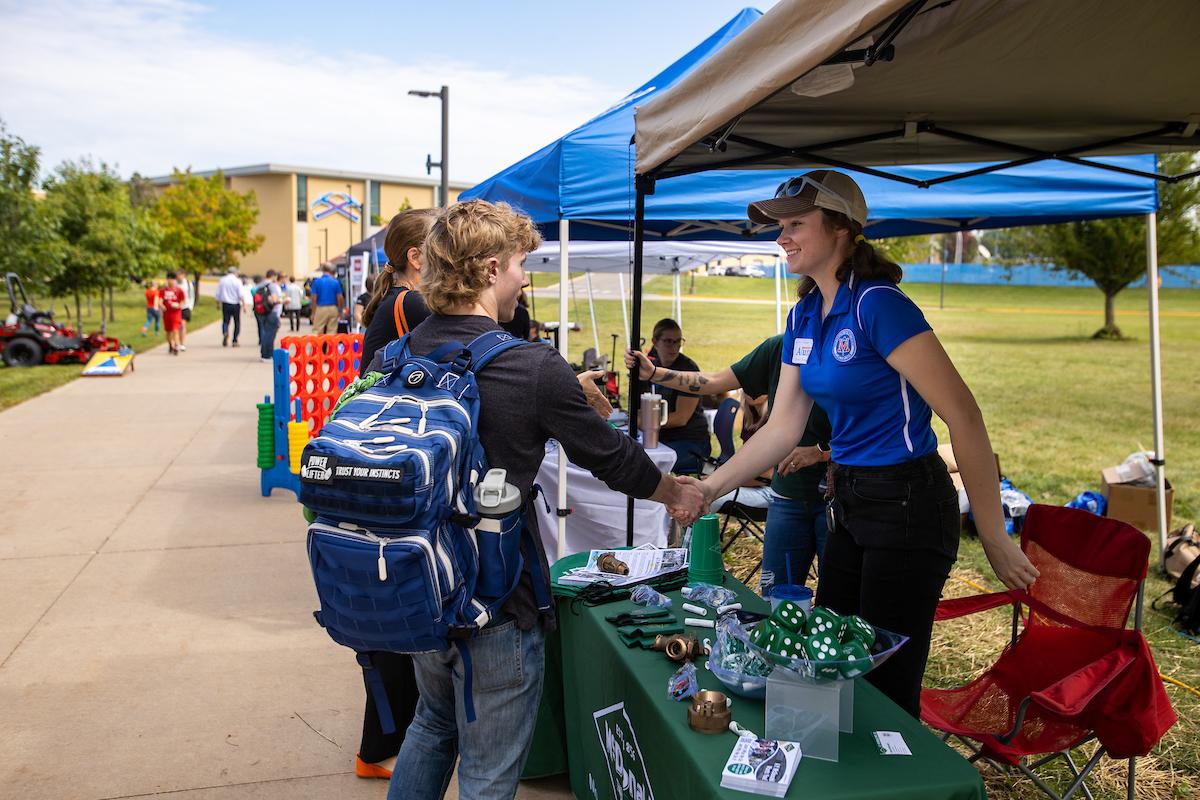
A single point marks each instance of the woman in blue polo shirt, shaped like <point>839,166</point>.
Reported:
<point>863,351</point>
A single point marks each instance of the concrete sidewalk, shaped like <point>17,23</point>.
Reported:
<point>157,634</point>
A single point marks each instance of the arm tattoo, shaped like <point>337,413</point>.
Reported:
<point>687,381</point>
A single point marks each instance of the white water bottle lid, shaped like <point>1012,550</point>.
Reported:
<point>494,496</point>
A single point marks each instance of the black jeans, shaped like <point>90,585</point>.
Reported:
<point>400,684</point>
<point>887,558</point>
<point>231,311</point>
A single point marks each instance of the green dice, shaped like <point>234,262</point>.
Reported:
<point>790,616</point>
<point>858,629</point>
<point>764,634</point>
<point>788,644</point>
<point>856,660</point>
<point>823,650</point>
<point>823,621</point>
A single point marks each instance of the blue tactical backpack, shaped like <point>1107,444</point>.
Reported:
<point>401,559</point>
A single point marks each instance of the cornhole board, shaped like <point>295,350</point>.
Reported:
<point>108,364</point>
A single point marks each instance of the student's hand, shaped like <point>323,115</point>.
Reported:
<point>591,392</point>
<point>1008,562</point>
<point>645,368</point>
<point>692,501</point>
<point>799,458</point>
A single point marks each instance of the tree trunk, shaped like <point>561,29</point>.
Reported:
<point>89,305</point>
<point>1110,329</point>
<point>78,316</point>
<point>112,314</point>
<point>103,315</point>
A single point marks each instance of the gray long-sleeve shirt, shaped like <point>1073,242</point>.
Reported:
<point>527,395</point>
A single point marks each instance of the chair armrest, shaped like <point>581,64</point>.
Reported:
<point>962,606</point>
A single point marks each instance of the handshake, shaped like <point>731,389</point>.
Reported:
<point>688,500</point>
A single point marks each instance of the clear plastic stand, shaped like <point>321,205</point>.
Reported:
<point>809,712</point>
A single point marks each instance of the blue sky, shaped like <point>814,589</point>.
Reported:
<point>152,84</point>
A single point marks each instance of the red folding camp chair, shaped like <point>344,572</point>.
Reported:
<point>1072,672</point>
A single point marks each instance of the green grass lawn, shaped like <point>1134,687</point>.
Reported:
<point>1059,407</point>
<point>17,385</point>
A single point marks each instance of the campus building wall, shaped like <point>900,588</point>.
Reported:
<point>276,197</point>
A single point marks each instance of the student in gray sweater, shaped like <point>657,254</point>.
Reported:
<point>473,273</point>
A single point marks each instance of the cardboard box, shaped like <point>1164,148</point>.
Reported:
<point>947,454</point>
<point>1136,505</point>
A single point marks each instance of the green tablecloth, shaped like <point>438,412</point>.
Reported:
<point>627,739</point>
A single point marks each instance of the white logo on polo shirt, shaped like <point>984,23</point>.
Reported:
<point>801,349</point>
<point>844,346</point>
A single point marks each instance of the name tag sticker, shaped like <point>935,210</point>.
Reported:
<point>800,351</point>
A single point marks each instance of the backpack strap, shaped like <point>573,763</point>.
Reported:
<point>488,345</point>
<point>394,352</point>
<point>398,313</point>
<point>387,723</point>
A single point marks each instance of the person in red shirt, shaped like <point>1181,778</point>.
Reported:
<point>153,308</point>
<point>173,299</point>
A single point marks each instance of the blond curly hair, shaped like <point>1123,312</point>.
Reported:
<point>458,247</point>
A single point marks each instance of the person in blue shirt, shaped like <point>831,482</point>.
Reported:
<point>860,348</point>
<point>328,301</point>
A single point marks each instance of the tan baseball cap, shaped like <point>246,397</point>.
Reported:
<point>820,188</point>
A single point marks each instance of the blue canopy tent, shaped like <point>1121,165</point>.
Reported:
<point>581,186</point>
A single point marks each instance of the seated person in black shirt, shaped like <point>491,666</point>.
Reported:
<point>686,431</point>
<point>396,305</point>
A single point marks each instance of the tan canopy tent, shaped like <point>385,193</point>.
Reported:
<point>860,84</point>
<point>877,82</point>
<point>863,84</point>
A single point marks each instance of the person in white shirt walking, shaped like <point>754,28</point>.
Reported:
<point>293,302</point>
<point>229,298</point>
<point>189,302</point>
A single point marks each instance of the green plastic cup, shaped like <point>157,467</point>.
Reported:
<point>705,564</point>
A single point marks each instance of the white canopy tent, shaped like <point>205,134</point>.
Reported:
<point>882,82</point>
<point>661,258</point>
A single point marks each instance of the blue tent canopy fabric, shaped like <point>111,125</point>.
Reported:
<point>587,177</point>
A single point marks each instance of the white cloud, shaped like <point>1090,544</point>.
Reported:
<point>139,84</point>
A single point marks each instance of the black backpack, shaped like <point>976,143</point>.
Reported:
<point>1187,597</point>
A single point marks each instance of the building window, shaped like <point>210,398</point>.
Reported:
<point>376,211</point>
<point>302,198</point>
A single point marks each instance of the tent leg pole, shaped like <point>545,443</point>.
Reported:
<point>639,236</point>
<point>624,311</point>
<point>1160,477</point>
<point>592,312</point>
<point>564,237</point>
<point>679,304</point>
<point>778,298</point>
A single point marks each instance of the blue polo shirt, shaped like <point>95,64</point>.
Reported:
<point>326,290</point>
<point>877,418</point>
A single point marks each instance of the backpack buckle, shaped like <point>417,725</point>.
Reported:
<point>461,363</point>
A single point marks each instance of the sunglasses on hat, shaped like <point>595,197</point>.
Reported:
<point>793,187</point>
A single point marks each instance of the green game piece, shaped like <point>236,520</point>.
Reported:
<point>860,630</point>
<point>790,616</point>
<point>856,659</point>
<point>823,649</point>
<point>763,634</point>
<point>822,621</point>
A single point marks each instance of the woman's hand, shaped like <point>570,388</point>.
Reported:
<point>645,368</point>
<point>695,498</point>
<point>1011,565</point>
<point>591,392</point>
<point>799,458</point>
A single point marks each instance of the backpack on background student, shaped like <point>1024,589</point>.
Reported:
<point>262,300</point>
<point>415,545</point>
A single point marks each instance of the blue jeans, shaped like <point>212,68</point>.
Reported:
<point>268,326</point>
<point>689,455</point>
<point>796,528</point>
<point>153,315</point>
<point>231,312</point>
<point>508,666</point>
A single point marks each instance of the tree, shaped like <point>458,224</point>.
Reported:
<point>206,227</point>
<point>1112,252</point>
<point>102,238</point>
<point>26,238</point>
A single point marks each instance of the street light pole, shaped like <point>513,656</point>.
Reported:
<point>444,164</point>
